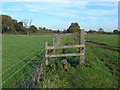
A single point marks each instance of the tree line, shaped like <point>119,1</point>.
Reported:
<point>12,26</point>
<point>74,27</point>
<point>101,31</point>
<point>25,26</point>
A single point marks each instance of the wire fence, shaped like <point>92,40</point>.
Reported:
<point>22,59</point>
<point>28,76</point>
<point>20,69</point>
<point>19,61</point>
<point>23,76</point>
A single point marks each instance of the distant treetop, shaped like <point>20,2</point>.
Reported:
<point>74,27</point>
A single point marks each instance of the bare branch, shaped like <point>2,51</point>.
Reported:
<point>27,23</point>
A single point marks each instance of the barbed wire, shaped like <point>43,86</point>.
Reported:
<point>20,61</point>
<point>28,84</point>
<point>27,80</point>
<point>27,72</point>
<point>20,68</point>
<point>20,77</point>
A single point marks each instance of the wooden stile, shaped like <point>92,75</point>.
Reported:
<point>55,46</point>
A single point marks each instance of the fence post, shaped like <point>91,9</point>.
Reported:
<point>57,41</point>
<point>46,51</point>
<point>82,42</point>
<point>54,45</point>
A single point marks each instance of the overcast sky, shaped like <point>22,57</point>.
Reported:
<point>59,14</point>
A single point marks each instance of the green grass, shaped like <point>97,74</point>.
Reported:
<point>100,69</point>
<point>17,47</point>
<point>111,40</point>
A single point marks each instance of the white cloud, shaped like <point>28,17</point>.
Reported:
<point>11,9</point>
<point>101,12</point>
<point>34,8</point>
<point>112,4</point>
<point>61,10</point>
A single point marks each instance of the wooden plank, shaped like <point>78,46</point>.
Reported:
<point>82,50</point>
<point>62,47</point>
<point>64,55</point>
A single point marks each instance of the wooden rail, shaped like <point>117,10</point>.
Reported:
<point>55,46</point>
<point>64,55</point>
<point>63,47</point>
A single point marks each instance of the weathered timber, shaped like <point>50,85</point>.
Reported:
<point>54,45</point>
<point>64,55</point>
<point>46,51</point>
<point>63,47</point>
<point>82,42</point>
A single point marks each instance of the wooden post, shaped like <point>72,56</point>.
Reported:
<point>57,41</point>
<point>54,45</point>
<point>82,42</point>
<point>46,51</point>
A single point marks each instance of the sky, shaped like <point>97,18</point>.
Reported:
<point>59,14</point>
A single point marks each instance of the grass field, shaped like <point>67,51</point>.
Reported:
<point>109,40</point>
<point>100,69</point>
<point>17,47</point>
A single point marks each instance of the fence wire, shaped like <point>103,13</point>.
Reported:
<point>20,61</point>
<point>29,72</point>
<point>20,68</point>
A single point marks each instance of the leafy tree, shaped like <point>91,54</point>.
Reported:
<point>110,33</point>
<point>74,27</point>
<point>92,31</point>
<point>58,31</point>
<point>100,31</point>
<point>21,23</point>
<point>33,29</point>
<point>44,28</point>
<point>19,28</point>
<point>115,31</point>
<point>7,24</point>
<point>64,31</point>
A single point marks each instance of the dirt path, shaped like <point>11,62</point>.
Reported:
<point>104,46</point>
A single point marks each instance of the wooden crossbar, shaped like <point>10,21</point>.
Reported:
<point>55,46</point>
<point>64,55</point>
<point>62,47</point>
